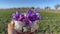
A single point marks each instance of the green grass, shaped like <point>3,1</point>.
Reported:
<point>51,19</point>
<point>50,22</point>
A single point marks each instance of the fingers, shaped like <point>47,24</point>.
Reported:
<point>10,28</point>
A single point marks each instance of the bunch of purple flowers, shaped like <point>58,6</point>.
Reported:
<point>28,17</point>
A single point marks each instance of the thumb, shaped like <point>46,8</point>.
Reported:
<point>10,28</point>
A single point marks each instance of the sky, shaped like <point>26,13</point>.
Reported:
<point>28,3</point>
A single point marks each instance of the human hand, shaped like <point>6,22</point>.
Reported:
<point>10,29</point>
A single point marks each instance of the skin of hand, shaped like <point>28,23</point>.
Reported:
<point>10,29</point>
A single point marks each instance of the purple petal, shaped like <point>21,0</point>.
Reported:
<point>30,11</point>
<point>13,15</point>
<point>16,16</point>
<point>21,17</point>
<point>18,13</point>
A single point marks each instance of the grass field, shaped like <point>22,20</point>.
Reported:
<point>50,22</point>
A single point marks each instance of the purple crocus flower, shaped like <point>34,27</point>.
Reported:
<point>27,18</point>
<point>17,13</point>
<point>30,11</point>
<point>16,16</point>
<point>38,16</point>
<point>33,16</point>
